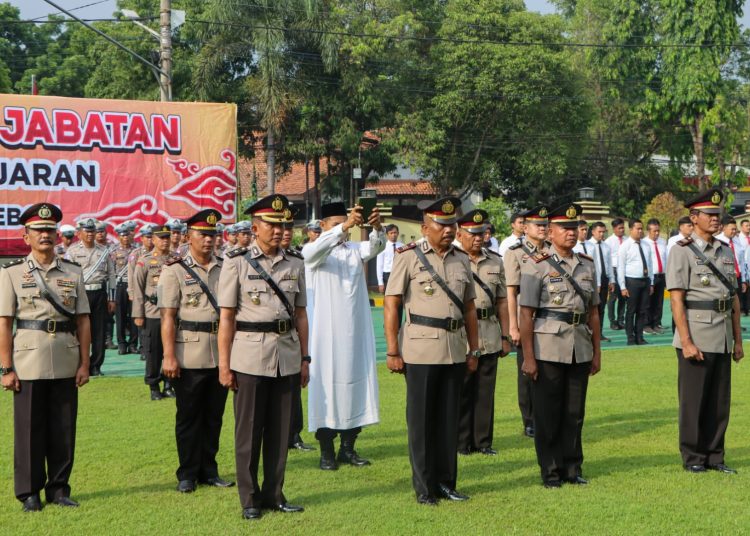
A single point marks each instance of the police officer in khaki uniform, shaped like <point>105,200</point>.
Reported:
<point>530,245</point>
<point>476,420</point>
<point>189,327</point>
<point>262,347</point>
<point>703,292</point>
<point>146,312</point>
<point>147,245</point>
<point>45,361</point>
<point>67,234</point>
<point>561,347</point>
<point>434,281</point>
<point>125,326</point>
<point>99,278</point>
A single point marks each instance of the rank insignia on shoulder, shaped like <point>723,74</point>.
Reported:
<point>294,253</point>
<point>584,256</point>
<point>515,246</point>
<point>236,252</point>
<point>13,263</point>
<point>69,262</point>
<point>173,260</point>
<point>540,257</point>
<point>488,251</point>
<point>685,241</point>
<point>407,247</point>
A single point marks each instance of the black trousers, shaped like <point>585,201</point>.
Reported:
<point>386,277</point>
<point>637,309</point>
<point>745,300</point>
<point>154,351</point>
<point>296,420</point>
<point>603,295</point>
<point>705,391</point>
<point>477,409</point>
<point>525,400</point>
<point>44,423</point>
<point>559,407</point>
<point>200,409</point>
<point>433,394</point>
<point>262,409</point>
<point>656,301</point>
<point>98,316</point>
<point>616,313</point>
<point>329,434</point>
<point>127,332</point>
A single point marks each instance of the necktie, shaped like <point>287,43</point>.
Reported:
<point>643,259</point>
<point>584,248</point>
<point>602,268</point>
<point>734,258</point>
<point>658,258</point>
<point>394,248</point>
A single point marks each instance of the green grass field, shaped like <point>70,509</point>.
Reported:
<point>126,457</point>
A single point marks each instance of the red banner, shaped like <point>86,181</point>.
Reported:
<point>114,160</point>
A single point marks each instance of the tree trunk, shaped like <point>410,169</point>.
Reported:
<point>271,162</point>
<point>316,175</point>
<point>700,164</point>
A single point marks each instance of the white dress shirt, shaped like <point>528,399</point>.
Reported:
<point>510,241</point>
<point>594,246</point>
<point>673,240</point>
<point>614,244</point>
<point>582,247</point>
<point>494,245</point>
<point>385,259</point>
<point>630,263</point>
<point>662,247</point>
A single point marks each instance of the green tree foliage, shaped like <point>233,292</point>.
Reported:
<point>667,209</point>
<point>499,212</point>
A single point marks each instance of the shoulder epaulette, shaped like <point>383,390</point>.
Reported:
<point>219,259</point>
<point>173,260</point>
<point>490,252</point>
<point>459,250</point>
<point>685,241</point>
<point>68,261</point>
<point>236,252</point>
<point>294,253</point>
<point>407,247</point>
<point>539,258</point>
<point>12,263</point>
<point>516,245</point>
<point>584,256</point>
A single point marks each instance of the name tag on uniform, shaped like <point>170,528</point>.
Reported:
<point>422,269</point>
<point>290,277</point>
<point>727,261</point>
<point>254,276</point>
<point>190,281</point>
<point>28,285</point>
<point>700,262</point>
<point>555,279</point>
<point>67,283</point>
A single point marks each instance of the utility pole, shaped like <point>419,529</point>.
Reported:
<point>165,49</point>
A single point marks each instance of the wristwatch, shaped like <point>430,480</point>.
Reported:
<point>6,370</point>
<point>476,353</point>
<point>306,359</point>
<point>505,338</point>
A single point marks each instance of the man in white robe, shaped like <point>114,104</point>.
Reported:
<point>343,388</point>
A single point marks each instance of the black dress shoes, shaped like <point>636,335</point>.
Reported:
<point>528,431</point>
<point>695,468</point>
<point>186,486</point>
<point>487,451</point>
<point>169,393</point>
<point>429,500</point>
<point>642,341</point>
<point>287,508</point>
<point>217,482</point>
<point>251,513</point>
<point>328,462</point>
<point>552,484</point>
<point>720,467</point>
<point>65,501</point>
<point>616,326</point>
<point>133,349</point>
<point>578,480</point>
<point>451,494</point>
<point>32,504</point>
<point>301,445</point>
<point>122,349</point>
<point>156,394</point>
<point>351,457</point>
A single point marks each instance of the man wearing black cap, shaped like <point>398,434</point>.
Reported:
<point>146,311</point>
<point>475,426</point>
<point>262,349</point>
<point>45,361</point>
<point>187,292</point>
<point>99,278</point>
<point>703,293</point>
<point>561,347</point>
<point>343,394</point>
<point>434,281</point>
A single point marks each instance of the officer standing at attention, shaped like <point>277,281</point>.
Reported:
<point>125,326</point>
<point>561,347</point>
<point>99,280</point>
<point>262,347</point>
<point>703,292</point>
<point>231,242</point>
<point>475,425</point>
<point>45,361</point>
<point>189,327</point>
<point>67,234</point>
<point>530,246</point>
<point>433,279</point>
<point>147,245</point>
<point>146,312</point>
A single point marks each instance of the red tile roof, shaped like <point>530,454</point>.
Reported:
<point>404,188</point>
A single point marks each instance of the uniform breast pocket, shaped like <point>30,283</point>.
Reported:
<point>257,292</point>
<point>700,316</point>
<point>426,287</point>
<point>457,282</point>
<point>187,336</point>
<point>290,288</point>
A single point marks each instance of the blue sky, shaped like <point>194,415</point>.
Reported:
<point>104,8</point>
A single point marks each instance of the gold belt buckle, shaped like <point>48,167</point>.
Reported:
<point>214,326</point>
<point>453,324</point>
<point>51,326</point>
<point>722,305</point>
<point>576,318</point>
<point>283,327</point>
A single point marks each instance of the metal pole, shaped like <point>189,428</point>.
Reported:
<point>165,49</point>
<point>111,40</point>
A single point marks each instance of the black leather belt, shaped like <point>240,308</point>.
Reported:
<point>448,324</point>
<point>152,299</point>
<point>279,326</point>
<point>720,306</point>
<point>484,314</point>
<point>574,318</point>
<point>205,327</point>
<point>50,326</point>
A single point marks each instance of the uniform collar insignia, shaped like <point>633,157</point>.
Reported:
<point>255,251</point>
<point>189,261</point>
<point>426,246</point>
